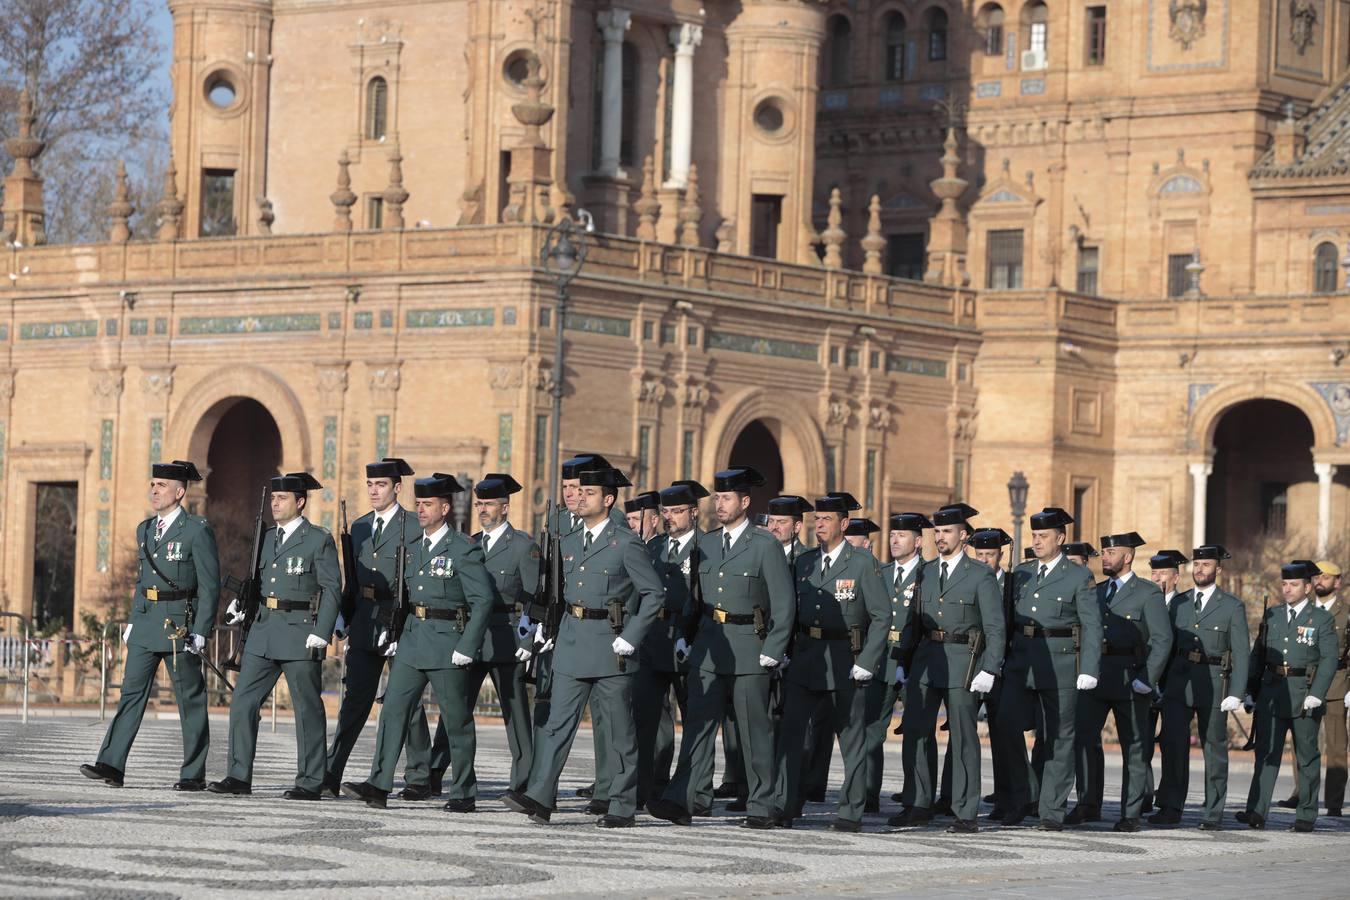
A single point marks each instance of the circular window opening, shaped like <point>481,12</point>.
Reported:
<point>517,67</point>
<point>220,91</point>
<point>769,117</point>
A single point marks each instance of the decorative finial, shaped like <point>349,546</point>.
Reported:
<point>169,208</point>
<point>343,199</point>
<point>646,205</point>
<point>120,209</point>
<point>874,243</point>
<point>690,212</point>
<point>395,195</point>
<point>266,216</point>
<point>834,235</point>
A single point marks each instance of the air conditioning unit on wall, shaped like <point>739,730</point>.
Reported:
<point>1033,60</point>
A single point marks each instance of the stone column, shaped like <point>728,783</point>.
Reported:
<point>1325,472</point>
<point>1200,472</point>
<point>612,24</point>
<point>685,39</point>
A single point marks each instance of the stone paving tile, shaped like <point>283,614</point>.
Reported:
<point>63,836</point>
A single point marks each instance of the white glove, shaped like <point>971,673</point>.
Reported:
<point>195,643</point>
<point>544,645</point>
<point>767,662</point>
<point>1347,701</point>
<point>391,649</point>
<point>1248,703</point>
<point>1311,702</point>
<point>1140,687</point>
<point>1229,704</point>
<point>314,642</point>
<point>126,633</point>
<point>523,655</point>
<point>900,675</point>
<point>682,651</point>
<point>233,614</point>
<point>523,627</point>
<point>859,674</point>
<point>622,647</point>
<point>982,683</point>
<point>1086,682</point>
<point>340,629</point>
<point>459,659</point>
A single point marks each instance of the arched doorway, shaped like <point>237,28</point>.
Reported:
<point>757,446</point>
<point>244,452</point>
<point>1263,486</point>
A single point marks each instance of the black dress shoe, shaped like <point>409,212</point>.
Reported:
<point>1014,818</point>
<point>1165,816</point>
<point>588,791</point>
<point>848,826</point>
<point>1256,820</point>
<point>997,814</point>
<point>871,807</point>
<point>760,823</point>
<point>915,815</point>
<point>332,788</point>
<point>102,772</point>
<point>1080,814</point>
<point>1334,812</point>
<point>367,793</point>
<point>598,807</point>
<point>726,790</point>
<point>897,797</point>
<point>608,821</point>
<point>1211,826</point>
<point>460,805</point>
<point>943,808</point>
<point>1127,826</point>
<point>737,805</point>
<point>670,812</point>
<point>230,786</point>
<point>435,780</point>
<point>1291,803</point>
<point>1302,826</point>
<point>701,812</point>
<point>415,792</point>
<point>1148,804</point>
<point>781,819</point>
<point>518,801</point>
<point>1049,825</point>
<point>299,793</point>
<point>963,826</point>
<point>1242,817</point>
<point>988,798</point>
<point>190,785</point>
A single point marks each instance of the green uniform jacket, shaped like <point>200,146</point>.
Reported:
<point>1308,642</point>
<point>1221,627</point>
<point>616,567</point>
<point>754,574</point>
<point>514,562</point>
<point>1137,637</point>
<point>449,576</point>
<point>902,603</point>
<point>1340,613</point>
<point>852,596</point>
<point>186,553</point>
<point>971,602</point>
<point>375,572</point>
<point>1066,599</point>
<point>305,570</point>
<point>658,650</point>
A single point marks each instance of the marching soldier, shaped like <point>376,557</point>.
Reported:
<point>177,585</point>
<point>906,540</point>
<point>1293,666</point>
<point>1055,654</point>
<point>613,596</point>
<point>1326,583</point>
<point>957,637</point>
<point>450,602</point>
<point>301,586</point>
<point>741,637</point>
<point>1208,668</point>
<point>376,536</point>
<point>1136,647</point>
<point>988,544</point>
<point>642,514</point>
<point>674,556</point>
<point>785,524</point>
<point>1078,552</point>
<point>859,533</point>
<point>1165,572</point>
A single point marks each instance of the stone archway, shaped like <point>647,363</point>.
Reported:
<point>1263,484</point>
<point>193,423</point>
<point>757,446</point>
<point>243,454</point>
<point>795,432</point>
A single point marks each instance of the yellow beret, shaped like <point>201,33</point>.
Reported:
<point>1328,568</point>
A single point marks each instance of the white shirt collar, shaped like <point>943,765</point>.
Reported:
<point>1298,607</point>
<point>169,519</point>
<point>491,536</point>
<point>1050,566</point>
<point>832,556</point>
<point>289,528</point>
<point>736,532</point>
<point>788,548</point>
<point>1331,601</point>
<point>682,541</point>
<point>1167,598</point>
<point>599,527</point>
<point>952,560</point>
<point>903,570</point>
<point>1202,595</point>
<point>387,516</point>
<point>1123,579</point>
<point>437,536</point>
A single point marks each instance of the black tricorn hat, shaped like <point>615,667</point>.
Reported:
<point>496,486</point>
<point>1129,539</point>
<point>1167,559</point>
<point>1210,551</point>
<point>178,470</point>
<point>295,482</point>
<point>1301,569</point>
<point>1080,548</point>
<point>438,485</point>
<point>990,539</point>
<point>1050,517</point>
<point>861,527</point>
<point>583,462</point>
<point>789,505</point>
<point>737,478</point>
<point>910,521</point>
<point>389,467</point>
<point>644,500</point>
<point>955,514</point>
<point>698,490</point>
<point>608,477</point>
<point>679,494</point>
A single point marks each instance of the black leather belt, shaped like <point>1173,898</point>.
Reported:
<point>536,611</point>
<point>1199,658</point>
<point>948,637</point>
<point>1038,631</point>
<point>823,634</point>
<point>1286,671</point>
<point>286,605</point>
<point>161,595</point>
<point>436,612</point>
<point>582,612</point>
<point>1111,650</point>
<point>722,617</point>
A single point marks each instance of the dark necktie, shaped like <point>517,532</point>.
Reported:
<point>281,538</point>
<point>1044,570</point>
<point>726,542</point>
<point>426,544</point>
<point>825,571</point>
<point>1199,604</point>
<point>942,578</point>
<point>674,551</point>
<point>487,542</point>
<point>1291,615</point>
<point>379,529</point>
<point>1111,591</point>
<point>586,543</point>
<point>159,530</point>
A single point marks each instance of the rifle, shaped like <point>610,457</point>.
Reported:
<point>918,630</point>
<point>394,616</point>
<point>1254,676</point>
<point>1009,608</point>
<point>616,625</point>
<point>695,616</point>
<point>976,651</point>
<point>550,590</point>
<point>351,586</point>
<point>248,590</point>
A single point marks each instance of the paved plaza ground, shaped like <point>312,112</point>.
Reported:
<point>64,836</point>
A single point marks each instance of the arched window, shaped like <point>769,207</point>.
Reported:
<point>839,52</point>
<point>895,47</point>
<point>937,35</point>
<point>377,108</point>
<point>1036,17</point>
<point>990,22</point>
<point>1324,268</point>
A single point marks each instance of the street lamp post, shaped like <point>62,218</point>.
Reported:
<point>562,256</point>
<point>1017,500</point>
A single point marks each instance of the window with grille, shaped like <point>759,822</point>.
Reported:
<point>1178,279</point>
<point>937,35</point>
<point>1038,27</point>
<point>377,108</point>
<point>991,23</point>
<point>895,47</point>
<point>1324,268</point>
<point>217,209</point>
<point>839,50</point>
<point>1096,35</point>
<point>1087,269</point>
<point>1004,257</point>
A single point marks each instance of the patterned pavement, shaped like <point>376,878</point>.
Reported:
<point>64,836</point>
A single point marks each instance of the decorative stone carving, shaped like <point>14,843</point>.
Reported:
<point>505,378</point>
<point>1188,21</point>
<point>344,198</point>
<point>385,378</point>
<point>647,206</point>
<point>649,391</point>
<point>1302,24</point>
<point>106,382</point>
<point>834,235</point>
<point>120,209</point>
<point>332,380</point>
<point>266,216</point>
<point>6,385</point>
<point>692,395</point>
<point>874,243</point>
<point>169,208</point>
<point>395,195</point>
<point>157,381</point>
<point>961,423</point>
<point>690,211</point>
<point>879,416</point>
<point>726,236</point>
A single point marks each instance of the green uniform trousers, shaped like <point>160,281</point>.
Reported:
<point>733,772</point>
<point>508,679</point>
<point>1057,709</point>
<point>710,696</point>
<point>1149,746</point>
<point>553,743</point>
<point>257,677</point>
<point>1270,733</point>
<point>362,680</point>
<point>189,689</point>
<point>1212,724</point>
<point>1090,764</point>
<point>845,714</point>
<point>920,746</point>
<point>654,719</point>
<point>882,700</point>
<point>819,749</point>
<point>403,701</point>
<point>1333,754</point>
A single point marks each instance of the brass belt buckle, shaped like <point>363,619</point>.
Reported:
<point>578,612</point>
<point>152,594</point>
<point>270,603</point>
<point>368,592</point>
<point>1028,630</point>
<point>720,616</point>
<point>814,632</point>
<point>893,634</point>
<point>420,612</point>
